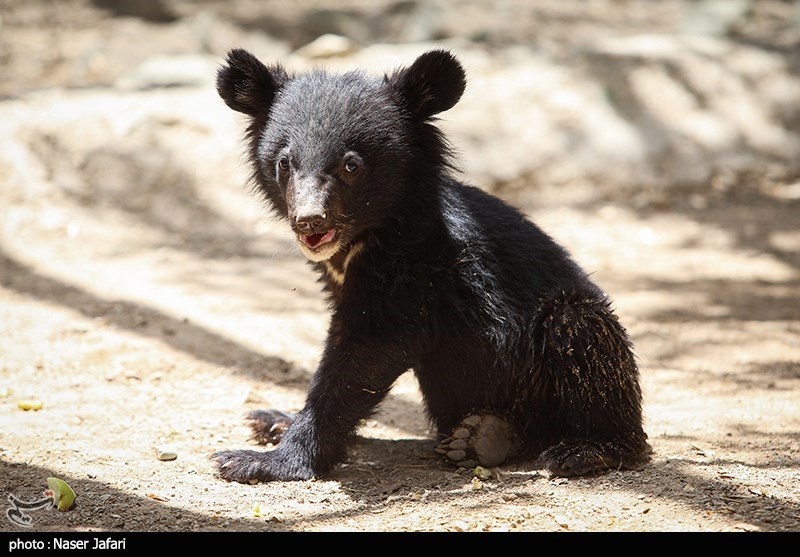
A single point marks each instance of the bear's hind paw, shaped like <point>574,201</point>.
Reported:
<point>586,457</point>
<point>480,439</point>
<point>268,426</point>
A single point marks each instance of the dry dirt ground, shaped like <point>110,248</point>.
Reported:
<point>142,318</point>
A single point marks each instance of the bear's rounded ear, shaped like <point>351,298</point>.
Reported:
<point>432,84</point>
<point>246,85</point>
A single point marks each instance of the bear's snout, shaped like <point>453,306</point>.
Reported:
<point>316,233</point>
<point>315,230</point>
<point>312,224</point>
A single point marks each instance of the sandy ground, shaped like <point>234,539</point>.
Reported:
<point>146,317</point>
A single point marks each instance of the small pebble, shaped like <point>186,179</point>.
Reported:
<point>461,433</point>
<point>30,404</point>
<point>561,521</point>
<point>482,473</point>
<point>328,46</point>
<point>166,453</point>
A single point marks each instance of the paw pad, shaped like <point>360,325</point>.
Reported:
<point>485,440</point>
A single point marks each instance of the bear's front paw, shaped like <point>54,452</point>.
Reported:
<point>243,466</point>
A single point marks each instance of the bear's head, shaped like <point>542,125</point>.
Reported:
<point>337,154</point>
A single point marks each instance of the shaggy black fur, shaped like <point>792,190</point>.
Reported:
<point>425,273</point>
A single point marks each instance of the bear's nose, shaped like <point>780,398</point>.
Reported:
<point>312,224</point>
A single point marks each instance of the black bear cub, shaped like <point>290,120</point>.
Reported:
<point>516,350</point>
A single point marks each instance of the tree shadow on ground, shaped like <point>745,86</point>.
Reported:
<point>99,506</point>
<point>142,177</point>
<point>180,334</point>
<point>375,484</point>
<point>753,217</point>
<point>726,300</point>
<point>378,472</point>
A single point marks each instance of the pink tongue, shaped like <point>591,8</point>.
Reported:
<point>314,240</point>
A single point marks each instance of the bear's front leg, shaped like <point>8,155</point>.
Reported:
<point>350,382</point>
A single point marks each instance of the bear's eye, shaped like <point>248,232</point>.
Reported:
<point>352,163</point>
<point>283,164</point>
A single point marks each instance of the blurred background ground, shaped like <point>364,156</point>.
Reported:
<point>148,299</point>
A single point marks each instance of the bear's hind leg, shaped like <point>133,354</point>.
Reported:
<point>585,388</point>
<point>480,439</point>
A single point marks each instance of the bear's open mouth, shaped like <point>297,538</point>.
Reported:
<point>314,241</point>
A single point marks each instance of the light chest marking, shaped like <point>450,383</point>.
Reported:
<point>337,275</point>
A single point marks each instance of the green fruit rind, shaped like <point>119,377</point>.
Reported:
<point>62,492</point>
